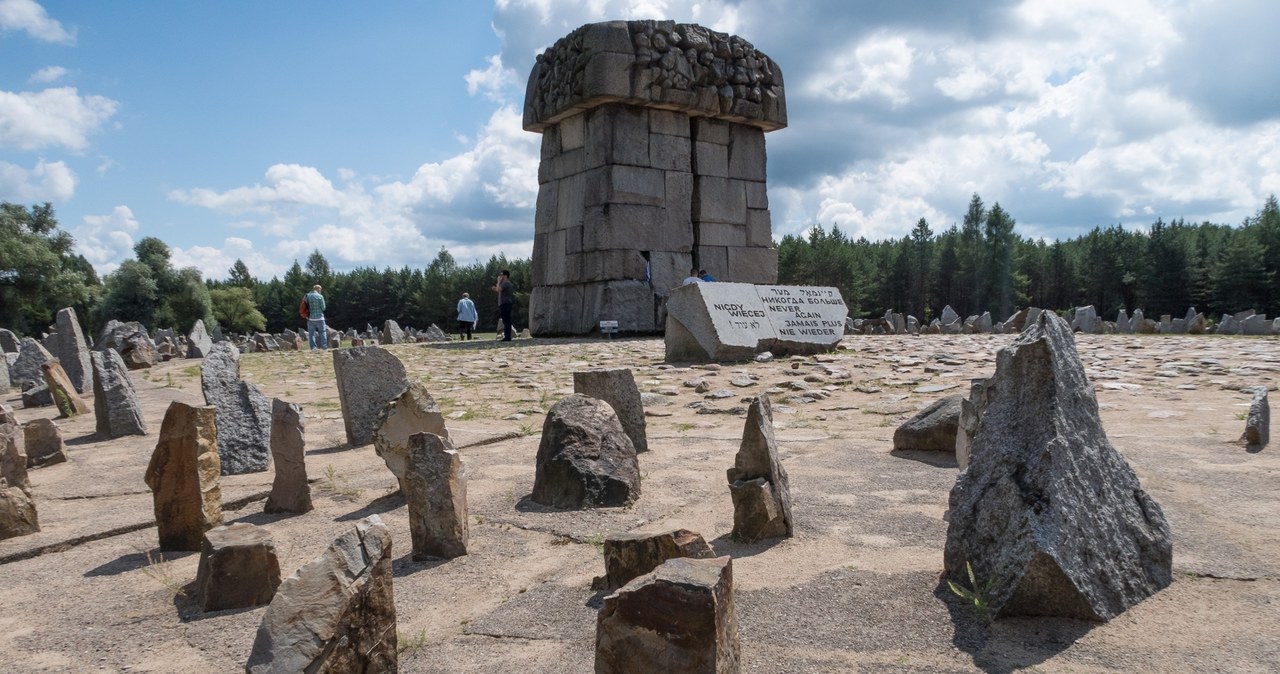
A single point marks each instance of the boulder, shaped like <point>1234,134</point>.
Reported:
<point>43,442</point>
<point>585,459</point>
<point>1257,425</point>
<point>391,333</point>
<point>618,388</point>
<point>13,461</point>
<point>35,394</point>
<point>290,491</point>
<point>336,614</point>
<point>1086,320</point>
<point>679,618</point>
<point>948,316</point>
<point>629,556</point>
<point>413,411</point>
<point>1257,324</point>
<point>435,334</point>
<point>933,428</point>
<point>115,402</point>
<point>183,477</point>
<point>265,342</point>
<point>62,391</point>
<point>244,413</point>
<point>435,488</point>
<point>70,348</point>
<point>735,321</point>
<point>17,512</point>
<point>238,568</point>
<point>199,343</point>
<point>8,341</point>
<point>31,355</point>
<point>368,378</point>
<point>758,482</point>
<point>1146,326</point>
<point>1048,512</point>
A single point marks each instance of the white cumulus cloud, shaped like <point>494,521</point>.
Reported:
<point>59,116</point>
<point>47,74</point>
<point>28,16</point>
<point>106,240</point>
<point>47,181</point>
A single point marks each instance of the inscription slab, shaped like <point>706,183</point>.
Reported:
<point>735,321</point>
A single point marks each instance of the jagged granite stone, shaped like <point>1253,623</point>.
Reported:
<point>13,461</point>
<point>199,342</point>
<point>183,476</point>
<point>335,615</point>
<point>618,388</point>
<point>413,411</point>
<point>71,349</point>
<point>628,556</point>
<point>391,333</point>
<point>679,618</point>
<point>1048,511</point>
<point>42,441</point>
<point>1257,425</point>
<point>290,491</point>
<point>585,459</point>
<point>758,482</point>
<point>238,568</point>
<point>435,489</point>
<point>8,341</point>
<point>17,512</point>
<point>115,402</point>
<point>244,413</point>
<point>368,378</point>
<point>31,355</point>
<point>932,428</point>
<point>62,391</point>
<point>971,409</point>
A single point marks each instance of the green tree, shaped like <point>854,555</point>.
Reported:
<point>239,275</point>
<point>999,237</point>
<point>131,295</point>
<point>39,273</point>
<point>234,309</point>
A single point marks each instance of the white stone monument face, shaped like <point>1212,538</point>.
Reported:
<point>735,321</point>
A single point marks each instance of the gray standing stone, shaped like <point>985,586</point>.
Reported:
<point>115,402</point>
<point>1256,324</point>
<point>435,488</point>
<point>62,391</point>
<point>435,334</point>
<point>933,428</point>
<point>43,442</point>
<point>949,315</point>
<point>1257,426</point>
<point>628,556</point>
<point>618,388</point>
<point>368,378</point>
<point>679,618</point>
<point>131,341</point>
<point>244,413</point>
<point>336,614</point>
<point>413,411</point>
<point>183,476</point>
<point>1048,512</point>
<point>17,512</point>
<point>13,462</point>
<point>758,482</point>
<point>8,341</point>
<point>1086,320</point>
<point>36,394</point>
<point>585,459</point>
<point>1123,325</point>
<point>70,348</point>
<point>290,491</point>
<point>31,355</point>
<point>199,343</point>
<point>5,384</point>
<point>238,568</point>
<point>391,333</point>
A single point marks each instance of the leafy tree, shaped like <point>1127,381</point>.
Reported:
<point>132,294</point>
<point>234,309</point>
<point>39,274</point>
<point>972,255</point>
<point>239,275</point>
<point>999,254</point>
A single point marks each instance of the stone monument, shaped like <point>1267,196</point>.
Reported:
<point>653,162</point>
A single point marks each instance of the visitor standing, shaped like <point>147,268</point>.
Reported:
<point>506,298</point>
<point>693,277</point>
<point>315,319</point>
<point>467,316</point>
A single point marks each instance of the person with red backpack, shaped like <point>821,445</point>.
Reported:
<point>312,309</point>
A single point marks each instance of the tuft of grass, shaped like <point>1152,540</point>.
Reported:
<point>526,429</point>
<point>160,570</point>
<point>191,371</point>
<point>338,485</point>
<point>63,402</point>
<point>597,542</point>
<point>978,595</point>
<point>684,426</point>
<point>407,644</point>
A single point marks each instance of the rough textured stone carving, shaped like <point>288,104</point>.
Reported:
<point>26,368</point>
<point>413,411</point>
<point>336,614</point>
<point>618,388</point>
<point>735,321</point>
<point>42,441</point>
<point>183,476</point>
<point>368,378</point>
<point>679,618</point>
<point>115,402</point>
<point>758,482</point>
<point>17,512</point>
<point>198,341</point>
<point>238,568</point>
<point>244,413</point>
<point>585,458</point>
<point>391,333</point>
<point>629,556</point>
<point>435,488</point>
<point>62,391</point>
<point>1048,511</point>
<point>69,347</point>
<point>653,162</point>
<point>932,428</point>
<point>1257,425</point>
<point>289,490</point>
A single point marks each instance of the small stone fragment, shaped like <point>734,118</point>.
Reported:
<point>183,476</point>
<point>238,568</point>
<point>435,484</point>
<point>42,440</point>
<point>413,411</point>
<point>17,512</point>
<point>585,458</point>
<point>628,556</point>
<point>933,428</point>
<point>1257,425</point>
<point>290,492</point>
<point>368,378</point>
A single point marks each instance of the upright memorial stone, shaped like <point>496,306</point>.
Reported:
<point>183,476</point>
<point>289,490</point>
<point>115,402</point>
<point>618,388</point>
<point>199,343</point>
<point>435,488</point>
<point>244,413</point>
<point>735,321</point>
<point>31,356</point>
<point>368,378</point>
<point>70,348</point>
<point>653,161</point>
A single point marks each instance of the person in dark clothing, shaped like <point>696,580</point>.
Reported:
<point>506,299</point>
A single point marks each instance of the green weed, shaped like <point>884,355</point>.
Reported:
<point>978,595</point>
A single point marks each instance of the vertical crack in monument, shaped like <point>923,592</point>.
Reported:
<point>653,162</point>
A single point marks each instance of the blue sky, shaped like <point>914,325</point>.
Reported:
<point>379,132</point>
